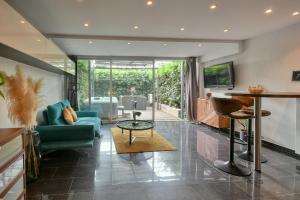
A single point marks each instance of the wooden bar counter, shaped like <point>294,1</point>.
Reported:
<point>257,113</point>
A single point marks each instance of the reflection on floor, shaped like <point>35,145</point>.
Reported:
<point>185,174</point>
<point>160,115</point>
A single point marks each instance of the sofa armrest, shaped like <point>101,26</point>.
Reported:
<point>86,114</point>
<point>66,133</point>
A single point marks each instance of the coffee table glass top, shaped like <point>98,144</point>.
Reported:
<point>128,125</point>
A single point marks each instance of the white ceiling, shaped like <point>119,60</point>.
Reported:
<point>144,48</point>
<point>243,18</point>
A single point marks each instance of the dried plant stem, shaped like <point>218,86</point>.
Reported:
<point>32,164</point>
<point>23,99</point>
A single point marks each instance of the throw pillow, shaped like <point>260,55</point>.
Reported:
<point>68,116</point>
<point>55,115</point>
<point>73,113</point>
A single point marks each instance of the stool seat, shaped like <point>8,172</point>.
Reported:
<point>241,115</point>
<point>264,113</point>
<point>247,155</point>
<point>230,108</point>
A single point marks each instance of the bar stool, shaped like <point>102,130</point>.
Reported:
<point>230,108</point>
<point>248,102</point>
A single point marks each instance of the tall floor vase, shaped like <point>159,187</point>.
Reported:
<point>32,159</point>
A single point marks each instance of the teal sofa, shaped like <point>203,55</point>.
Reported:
<point>56,134</point>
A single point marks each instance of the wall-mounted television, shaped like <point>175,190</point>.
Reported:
<point>219,76</point>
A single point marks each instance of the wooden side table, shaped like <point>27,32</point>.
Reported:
<point>12,164</point>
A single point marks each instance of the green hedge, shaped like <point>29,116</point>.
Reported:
<point>169,83</point>
<point>122,82</point>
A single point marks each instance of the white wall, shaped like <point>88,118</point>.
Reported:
<point>269,60</point>
<point>52,87</point>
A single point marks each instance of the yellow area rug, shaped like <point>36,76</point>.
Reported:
<point>146,144</point>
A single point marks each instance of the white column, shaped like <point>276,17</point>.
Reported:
<point>297,134</point>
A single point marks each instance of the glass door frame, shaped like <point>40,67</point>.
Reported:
<point>154,76</point>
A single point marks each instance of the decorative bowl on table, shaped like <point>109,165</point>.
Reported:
<point>255,89</point>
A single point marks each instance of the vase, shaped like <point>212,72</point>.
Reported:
<point>32,155</point>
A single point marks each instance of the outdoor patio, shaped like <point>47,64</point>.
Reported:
<point>147,115</point>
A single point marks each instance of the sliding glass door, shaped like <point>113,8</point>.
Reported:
<point>132,87</point>
<point>116,87</point>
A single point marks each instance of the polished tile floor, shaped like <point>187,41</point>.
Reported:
<point>185,174</point>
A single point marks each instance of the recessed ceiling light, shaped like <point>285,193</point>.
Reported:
<point>86,24</point>
<point>226,30</point>
<point>149,3</point>
<point>268,11</point>
<point>38,40</point>
<point>182,28</point>
<point>129,43</point>
<point>213,6</point>
<point>165,44</point>
<point>90,42</point>
<point>296,13</point>
<point>22,22</point>
<point>200,45</point>
<point>136,27</point>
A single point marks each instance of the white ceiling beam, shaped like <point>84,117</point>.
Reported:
<point>131,38</point>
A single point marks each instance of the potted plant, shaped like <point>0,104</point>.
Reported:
<point>22,96</point>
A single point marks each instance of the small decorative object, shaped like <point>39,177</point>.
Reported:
<point>135,113</point>
<point>256,89</point>
<point>296,76</point>
<point>23,99</point>
<point>208,95</point>
<point>243,131</point>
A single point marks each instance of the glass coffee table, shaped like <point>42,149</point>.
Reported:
<point>135,125</point>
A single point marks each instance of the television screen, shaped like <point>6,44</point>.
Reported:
<point>219,76</point>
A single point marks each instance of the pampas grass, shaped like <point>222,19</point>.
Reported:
<point>23,98</point>
<point>2,81</point>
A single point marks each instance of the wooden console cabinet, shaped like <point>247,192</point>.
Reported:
<point>207,115</point>
<point>12,164</point>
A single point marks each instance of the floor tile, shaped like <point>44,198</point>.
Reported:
<point>187,173</point>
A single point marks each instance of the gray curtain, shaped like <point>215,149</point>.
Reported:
<point>191,88</point>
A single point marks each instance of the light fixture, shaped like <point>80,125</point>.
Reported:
<point>38,40</point>
<point>136,27</point>
<point>226,30</point>
<point>22,21</point>
<point>90,42</point>
<point>129,43</point>
<point>296,13</point>
<point>182,28</point>
<point>213,6</point>
<point>200,45</point>
<point>165,44</point>
<point>268,11</point>
<point>86,24</point>
<point>149,3</point>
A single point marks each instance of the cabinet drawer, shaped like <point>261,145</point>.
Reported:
<point>10,149</point>
<point>11,172</point>
<point>15,191</point>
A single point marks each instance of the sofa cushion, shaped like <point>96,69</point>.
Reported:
<point>73,113</point>
<point>95,121</point>
<point>66,103</point>
<point>45,116</point>
<point>54,113</point>
<point>68,116</point>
